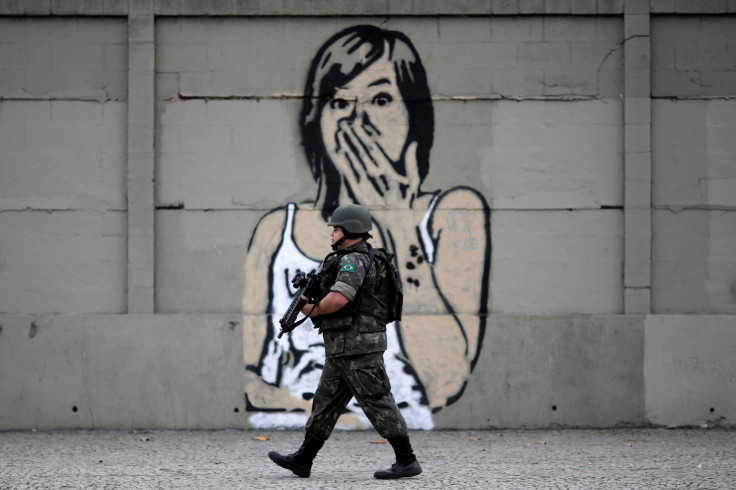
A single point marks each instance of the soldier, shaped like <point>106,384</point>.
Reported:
<point>351,316</point>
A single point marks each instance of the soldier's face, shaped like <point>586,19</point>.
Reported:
<point>336,234</point>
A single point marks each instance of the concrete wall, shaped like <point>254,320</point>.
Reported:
<point>144,147</point>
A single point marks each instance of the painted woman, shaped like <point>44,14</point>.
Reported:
<point>367,126</point>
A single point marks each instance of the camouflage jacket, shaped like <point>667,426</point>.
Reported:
<point>359,327</point>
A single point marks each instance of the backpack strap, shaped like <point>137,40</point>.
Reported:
<point>370,253</point>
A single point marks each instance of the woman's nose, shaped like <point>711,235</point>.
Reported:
<point>355,109</point>
<point>357,112</point>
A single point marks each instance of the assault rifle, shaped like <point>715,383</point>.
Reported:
<point>308,285</point>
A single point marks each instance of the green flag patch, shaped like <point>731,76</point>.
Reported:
<point>347,267</point>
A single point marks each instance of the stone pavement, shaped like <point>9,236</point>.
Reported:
<point>235,459</point>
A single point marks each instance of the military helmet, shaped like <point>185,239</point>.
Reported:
<point>354,218</point>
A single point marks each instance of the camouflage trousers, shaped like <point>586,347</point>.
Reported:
<point>363,376</point>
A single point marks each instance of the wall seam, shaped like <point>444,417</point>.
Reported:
<point>637,151</point>
<point>140,159</point>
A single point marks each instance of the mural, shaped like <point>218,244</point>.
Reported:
<point>367,126</point>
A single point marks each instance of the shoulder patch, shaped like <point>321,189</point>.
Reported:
<point>347,267</point>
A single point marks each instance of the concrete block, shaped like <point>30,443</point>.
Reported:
<point>234,57</point>
<point>720,193</point>
<point>598,55</point>
<point>636,7</point>
<point>46,169</point>
<point>583,7</point>
<point>693,151</point>
<point>140,28</point>
<point>557,262</point>
<point>140,167</point>
<point>693,261</point>
<point>583,371</point>
<point>531,6</point>
<point>76,57</point>
<point>541,155</point>
<point>638,194</point>
<point>718,83</point>
<point>514,83</point>
<point>566,82</point>
<point>638,110</point>
<point>19,56</point>
<point>637,25</point>
<point>166,86</point>
<point>141,109</point>
<point>38,181</point>
<point>173,7</point>
<point>637,53</point>
<point>505,7</point>
<point>121,371</point>
<point>637,138</point>
<point>637,300</point>
<point>11,83</point>
<point>67,58</point>
<point>697,51</point>
<point>141,56</point>
<point>140,138</point>
<point>141,295</point>
<point>667,83</point>
<point>543,55</point>
<point>356,7</point>
<point>557,6</point>
<point>200,258</point>
<point>244,158</point>
<point>62,262</point>
<point>235,61</point>
<point>689,370</point>
<point>11,139</point>
<point>517,29</point>
<point>637,248</point>
<point>86,7</point>
<point>141,7</point>
<point>77,113</point>
<point>638,167</point>
<point>140,200</point>
<point>204,139</point>
<point>174,59</point>
<point>25,112</point>
<point>116,7</point>
<point>206,84</point>
<point>12,8</point>
<point>460,30</point>
<point>568,29</point>
<point>662,6</point>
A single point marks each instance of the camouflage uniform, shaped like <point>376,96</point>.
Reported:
<point>355,339</point>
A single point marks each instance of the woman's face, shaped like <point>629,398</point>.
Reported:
<point>369,107</point>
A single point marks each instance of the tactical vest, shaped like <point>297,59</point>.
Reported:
<point>378,302</point>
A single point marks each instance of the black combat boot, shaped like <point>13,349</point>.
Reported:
<point>299,462</point>
<point>406,463</point>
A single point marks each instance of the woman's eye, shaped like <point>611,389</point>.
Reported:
<point>382,100</point>
<point>338,104</point>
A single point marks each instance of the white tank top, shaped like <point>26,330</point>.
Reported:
<point>295,360</point>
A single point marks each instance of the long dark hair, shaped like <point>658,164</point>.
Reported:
<point>342,58</point>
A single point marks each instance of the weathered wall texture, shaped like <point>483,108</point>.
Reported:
<point>693,164</point>
<point>577,269</point>
<point>62,148</point>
